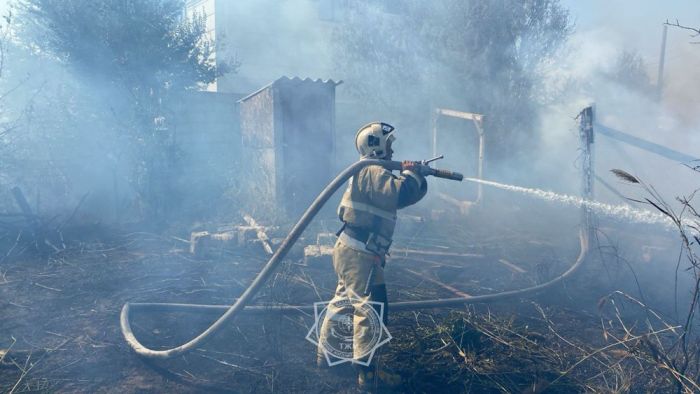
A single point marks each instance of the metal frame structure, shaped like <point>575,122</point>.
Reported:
<point>478,124</point>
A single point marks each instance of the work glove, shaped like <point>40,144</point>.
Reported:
<point>416,167</point>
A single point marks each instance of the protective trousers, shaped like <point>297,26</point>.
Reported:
<point>354,268</point>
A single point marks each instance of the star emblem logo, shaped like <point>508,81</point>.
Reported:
<point>334,330</point>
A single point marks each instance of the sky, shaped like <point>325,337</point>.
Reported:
<point>637,24</point>
<point>604,27</point>
<point>633,24</point>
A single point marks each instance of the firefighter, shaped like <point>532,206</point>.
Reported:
<point>368,212</point>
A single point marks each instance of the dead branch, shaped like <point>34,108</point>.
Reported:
<point>26,210</point>
<point>4,352</point>
<point>612,345</point>
<point>512,266</point>
<point>678,25</point>
<point>75,210</point>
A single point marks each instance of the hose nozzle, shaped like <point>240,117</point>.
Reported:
<point>446,174</point>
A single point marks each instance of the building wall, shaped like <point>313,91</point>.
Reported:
<point>206,126</point>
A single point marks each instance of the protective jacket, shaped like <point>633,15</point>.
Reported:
<point>368,211</point>
<point>368,207</point>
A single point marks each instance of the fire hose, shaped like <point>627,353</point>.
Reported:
<point>240,304</point>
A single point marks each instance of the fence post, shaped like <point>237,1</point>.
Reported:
<point>586,136</point>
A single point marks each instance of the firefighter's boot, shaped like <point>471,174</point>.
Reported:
<point>375,378</point>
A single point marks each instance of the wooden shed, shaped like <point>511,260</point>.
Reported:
<point>288,141</point>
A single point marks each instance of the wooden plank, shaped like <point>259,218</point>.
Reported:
<point>433,263</point>
<point>397,253</point>
<point>260,232</point>
<point>512,266</point>
<point>445,286</point>
<point>463,206</point>
<point>459,114</point>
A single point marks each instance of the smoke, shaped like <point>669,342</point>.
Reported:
<point>57,123</point>
<point>611,61</point>
<point>274,39</point>
<point>107,123</point>
<point>399,61</point>
<point>592,70</point>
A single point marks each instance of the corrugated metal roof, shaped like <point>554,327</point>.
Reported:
<point>294,80</point>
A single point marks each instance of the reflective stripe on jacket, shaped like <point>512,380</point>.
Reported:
<point>375,194</point>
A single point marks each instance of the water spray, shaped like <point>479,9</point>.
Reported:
<point>618,211</point>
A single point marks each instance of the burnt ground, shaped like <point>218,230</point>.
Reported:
<point>60,312</point>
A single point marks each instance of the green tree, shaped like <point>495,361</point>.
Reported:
<point>135,58</point>
<point>141,44</point>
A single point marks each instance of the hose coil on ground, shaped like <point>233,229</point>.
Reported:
<point>240,304</point>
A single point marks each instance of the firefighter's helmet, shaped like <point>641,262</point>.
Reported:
<point>372,140</point>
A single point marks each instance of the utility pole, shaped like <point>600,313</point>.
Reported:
<point>662,57</point>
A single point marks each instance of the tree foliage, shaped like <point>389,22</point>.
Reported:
<point>129,62</point>
<point>630,71</point>
<point>478,56</point>
<point>139,43</point>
